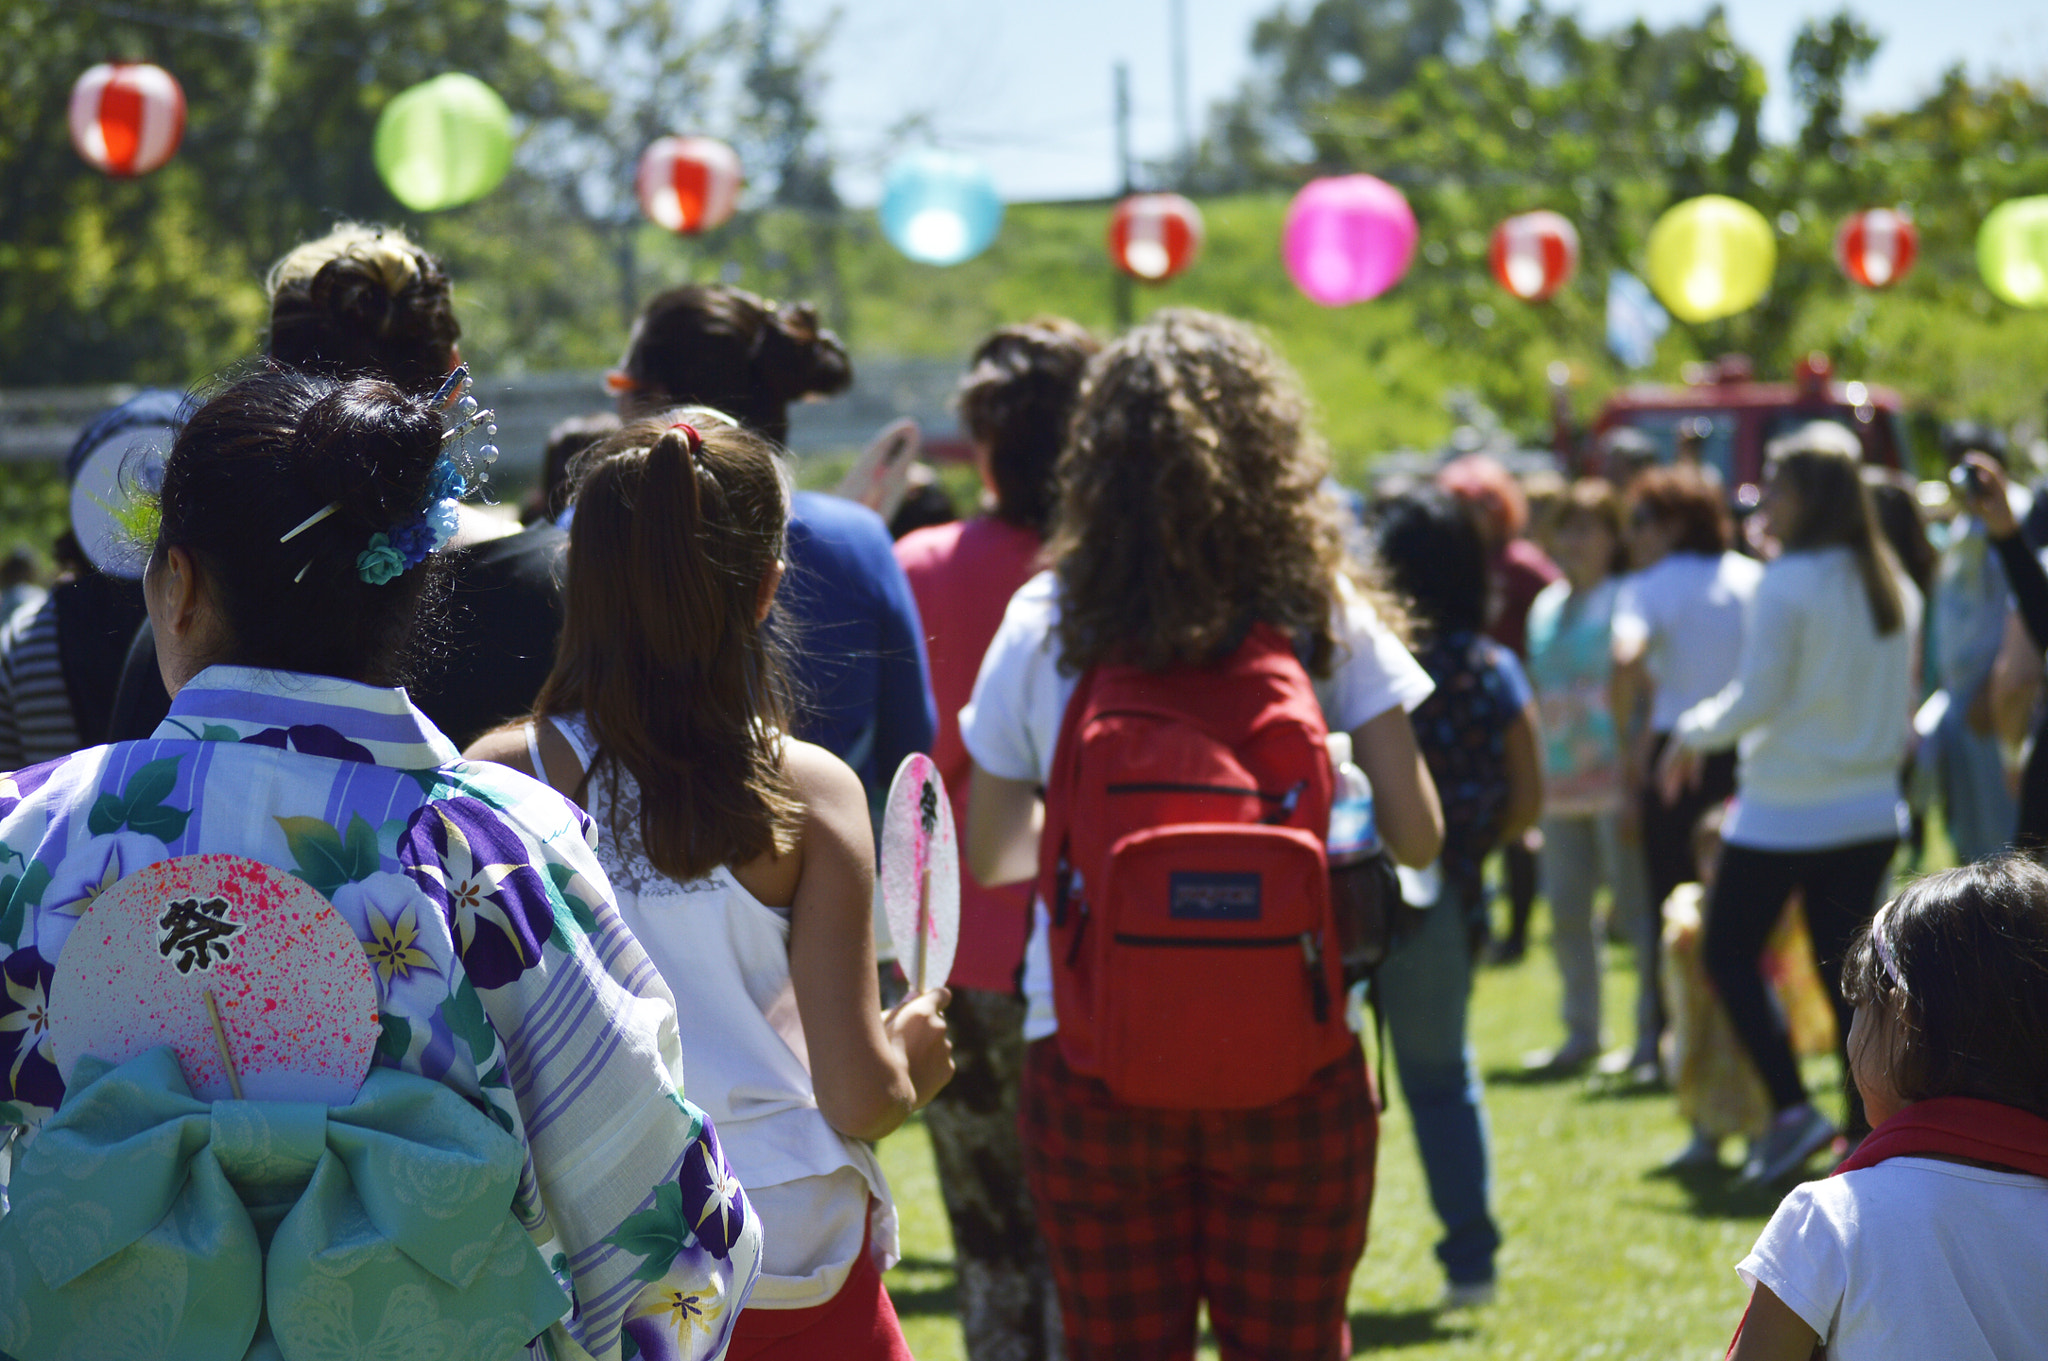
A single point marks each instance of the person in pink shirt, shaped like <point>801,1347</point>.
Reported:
<point>1014,402</point>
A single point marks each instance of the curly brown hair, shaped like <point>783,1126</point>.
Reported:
<point>1191,502</point>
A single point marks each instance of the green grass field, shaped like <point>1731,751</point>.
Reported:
<point>1602,1258</point>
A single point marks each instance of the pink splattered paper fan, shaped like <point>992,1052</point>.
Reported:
<point>920,873</point>
<point>168,948</point>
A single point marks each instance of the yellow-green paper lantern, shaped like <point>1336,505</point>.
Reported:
<point>443,143</point>
<point>1711,257</point>
<point>2012,251</point>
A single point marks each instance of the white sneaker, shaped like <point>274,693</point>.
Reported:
<point>1574,1054</point>
<point>1794,1136</point>
<point>1471,1295</point>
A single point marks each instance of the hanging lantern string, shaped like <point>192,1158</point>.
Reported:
<point>1421,176</point>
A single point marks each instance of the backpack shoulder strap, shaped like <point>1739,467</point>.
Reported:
<point>1059,788</point>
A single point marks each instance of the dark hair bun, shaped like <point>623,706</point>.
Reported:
<point>363,301</point>
<point>370,448</point>
<point>246,491</point>
<point>798,358</point>
<point>354,294</point>
<point>723,347</point>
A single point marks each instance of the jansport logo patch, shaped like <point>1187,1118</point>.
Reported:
<point>1212,897</point>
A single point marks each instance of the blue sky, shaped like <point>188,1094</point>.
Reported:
<point>1026,84</point>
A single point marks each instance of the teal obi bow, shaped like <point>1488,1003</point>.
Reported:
<point>146,1223</point>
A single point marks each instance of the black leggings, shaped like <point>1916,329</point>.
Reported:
<point>1749,895</point>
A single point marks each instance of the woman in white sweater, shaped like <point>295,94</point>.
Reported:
<point>1819,707</point>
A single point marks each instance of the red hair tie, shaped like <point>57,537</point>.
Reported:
<point>691,438</point>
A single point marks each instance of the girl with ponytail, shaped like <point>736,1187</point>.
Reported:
<point>742,860</point>
<point>1820,707</point>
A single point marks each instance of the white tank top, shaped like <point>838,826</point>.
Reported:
<point>725,956</point>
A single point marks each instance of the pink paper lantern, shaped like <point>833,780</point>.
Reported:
<point>688,184</point>
<point>126,117</point>
<point>1348,239</point>
<point>1533,254</point>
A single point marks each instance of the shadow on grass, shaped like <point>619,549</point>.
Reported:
<point>1716,1193</point>
<point>1592,1086</point>
<point>924,1285</point>
<point>1515,1075</point>
<point>1404,1328</point>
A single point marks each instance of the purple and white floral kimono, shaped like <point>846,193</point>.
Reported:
<point>502,968</point>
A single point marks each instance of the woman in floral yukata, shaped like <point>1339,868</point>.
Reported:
<point>292,567</point>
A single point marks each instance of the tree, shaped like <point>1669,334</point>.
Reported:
<point>1608,129</point>
<point>1340,49</point>
<point>159,279</point>
<point>1611,128</point>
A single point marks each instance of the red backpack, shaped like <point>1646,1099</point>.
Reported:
<point>1194,957</point>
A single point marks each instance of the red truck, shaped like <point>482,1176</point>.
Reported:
<point>1731,417</point>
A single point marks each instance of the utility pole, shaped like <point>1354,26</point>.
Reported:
<point>1177,27</point>
<point>1123,164</point>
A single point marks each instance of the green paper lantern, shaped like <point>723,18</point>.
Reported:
<point>443,143</point>
<point>2012,251</point>
<point>1711,257</point>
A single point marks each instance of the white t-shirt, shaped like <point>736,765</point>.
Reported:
<point>1912,1258</point>
<point>1685,610</point>
<point>1821,705</point>
<point>1012,721</point>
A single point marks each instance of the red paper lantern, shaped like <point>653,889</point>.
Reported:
<point>1534,254</point>
<point>1876,247</point>
<point>127,117</point>
<point>1155,236</point>
<point>689,184</point>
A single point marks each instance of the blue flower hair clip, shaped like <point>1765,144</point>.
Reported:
<point>393,552</point>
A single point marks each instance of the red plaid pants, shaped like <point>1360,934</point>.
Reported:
<point>1145,1212</point>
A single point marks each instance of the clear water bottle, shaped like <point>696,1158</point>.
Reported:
<point>1354,836</point>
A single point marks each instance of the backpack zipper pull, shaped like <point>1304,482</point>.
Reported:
<point>1288,802</point>
<point>1318,986</point>
<point>1061,889</point>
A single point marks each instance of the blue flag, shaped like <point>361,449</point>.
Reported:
<point>1634,320</point>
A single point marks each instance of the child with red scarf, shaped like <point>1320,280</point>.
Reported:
<point>1930,1238</point>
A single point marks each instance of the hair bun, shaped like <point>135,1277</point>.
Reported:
<point>355,292</point>
<point>798,358</point>
<point>363,300</point>
<point>370,448</point>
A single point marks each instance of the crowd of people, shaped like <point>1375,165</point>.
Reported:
<point>603,794</point>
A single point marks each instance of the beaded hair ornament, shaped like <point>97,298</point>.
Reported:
<point>393,552</point>
<point>1881,941</point>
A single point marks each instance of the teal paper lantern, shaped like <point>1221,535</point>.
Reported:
<point>443,143</point>
<point>940,208</point>
<point>2012,251</point>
